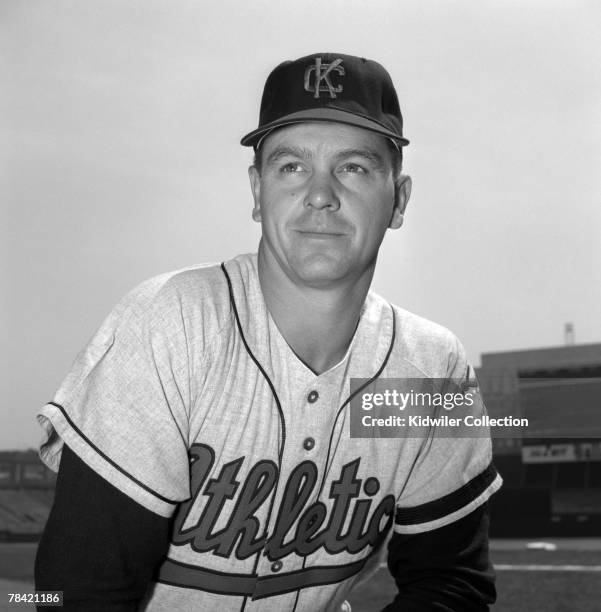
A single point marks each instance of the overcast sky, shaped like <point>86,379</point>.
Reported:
<point>119,160</point>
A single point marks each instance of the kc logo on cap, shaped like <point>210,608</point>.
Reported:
<point>322,74</point>
<point>329,87</point>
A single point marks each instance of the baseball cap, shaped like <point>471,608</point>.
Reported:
<point>330,87</point>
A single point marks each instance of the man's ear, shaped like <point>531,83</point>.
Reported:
<point>255,186</point>
<point>402,191</point>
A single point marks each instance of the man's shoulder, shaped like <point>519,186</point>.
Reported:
<point>197,295</point>
<point>195,284</point>
<point>420,328</point>
<point>431,348</point>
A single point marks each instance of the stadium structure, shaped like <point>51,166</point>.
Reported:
<point>26,495</point>
<point>552,471</point>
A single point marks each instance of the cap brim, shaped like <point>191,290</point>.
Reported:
<point>322,114</point>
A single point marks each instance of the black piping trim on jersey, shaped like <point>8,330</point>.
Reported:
<point>273,391</point>
<point>109,460</point>
<point>242,584</point>
<point>439,508</point>
<point>350,397</point>
<point>252,585</point>
<point>280,411</point>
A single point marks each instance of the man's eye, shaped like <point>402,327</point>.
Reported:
<point>291,167</point>
<point>353,168</point>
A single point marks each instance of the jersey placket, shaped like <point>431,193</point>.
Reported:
<point>309,405</point>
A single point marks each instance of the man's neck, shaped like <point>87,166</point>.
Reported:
<point>317,323</point>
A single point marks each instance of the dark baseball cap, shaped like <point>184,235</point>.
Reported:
<point>330,87</point>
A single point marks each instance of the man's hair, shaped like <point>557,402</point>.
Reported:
<point>396,155</point>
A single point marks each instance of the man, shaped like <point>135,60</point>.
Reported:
<point>207,462</point>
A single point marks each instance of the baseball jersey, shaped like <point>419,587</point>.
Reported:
<point>189,400</point>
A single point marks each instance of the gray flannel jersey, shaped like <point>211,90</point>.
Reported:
<point>190,401</point>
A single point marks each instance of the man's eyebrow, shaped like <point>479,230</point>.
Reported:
<point>373,156</point>
<point>299,152</point>
<point>285,150</point>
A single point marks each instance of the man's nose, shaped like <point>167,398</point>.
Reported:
<point>321,192</point>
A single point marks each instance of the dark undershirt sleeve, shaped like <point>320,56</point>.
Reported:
<point>99,546</point>
<point>444,570</point>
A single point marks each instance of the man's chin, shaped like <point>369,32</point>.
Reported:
<point>320,271</point>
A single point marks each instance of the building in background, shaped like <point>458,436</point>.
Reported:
<point>26,494</point>
<point>553,474</point>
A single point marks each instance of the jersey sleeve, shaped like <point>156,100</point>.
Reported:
<point>124,406</point>
<point>99,546</point>
<point>453,473</point>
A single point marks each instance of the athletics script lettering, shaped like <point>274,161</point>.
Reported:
<point>314,528</point>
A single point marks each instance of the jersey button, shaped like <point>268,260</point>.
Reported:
<point>309,443</point>
<point>276,566</point>
<point>312,397</point>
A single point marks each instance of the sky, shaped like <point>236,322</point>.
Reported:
<point>120,159</point>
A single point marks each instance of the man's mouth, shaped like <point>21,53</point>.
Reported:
<point>310,233</point>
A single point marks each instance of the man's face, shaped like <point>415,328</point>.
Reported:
<point>325,197</point>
